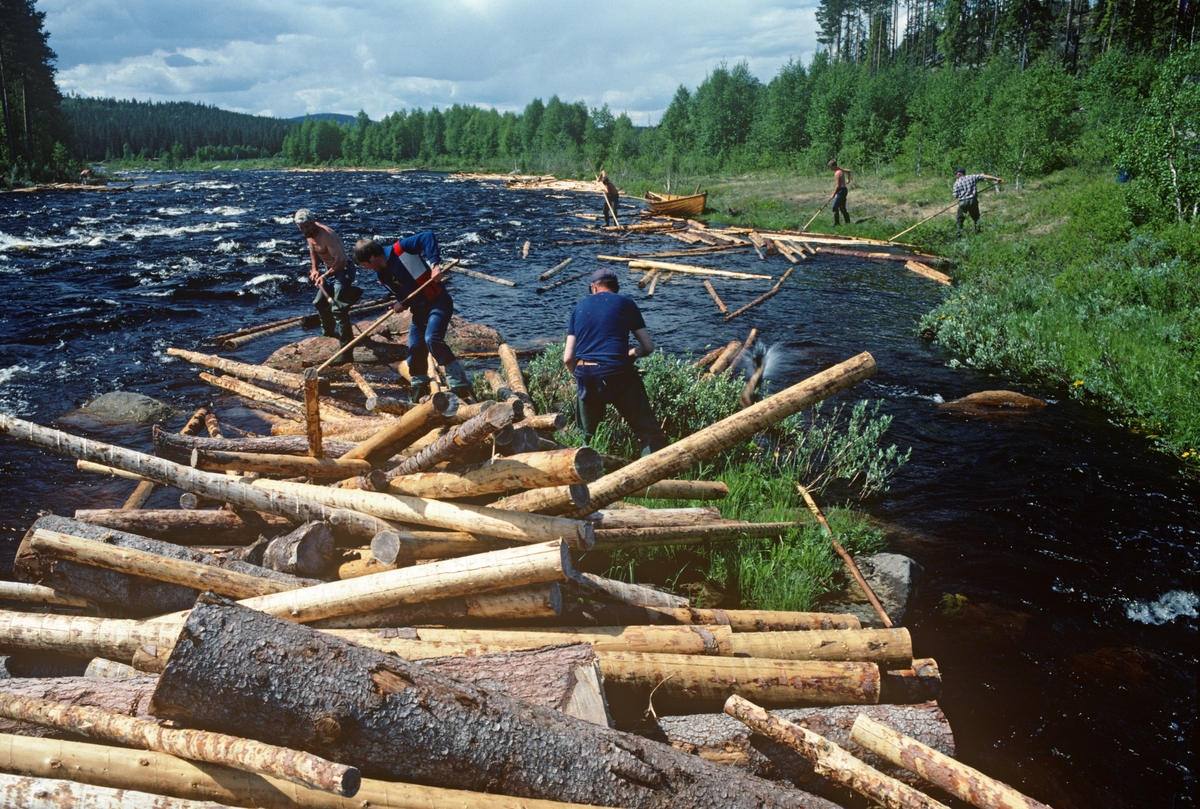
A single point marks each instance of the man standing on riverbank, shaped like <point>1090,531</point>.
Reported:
<point>839,192</point>
<point>598,353</point>
<point>612,197</point>
<point>335,290</point>
<point>968,196</point>
<point>413,265</point>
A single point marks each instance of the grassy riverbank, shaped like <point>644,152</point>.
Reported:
<point>836,451</point>
<point>1062,285</point>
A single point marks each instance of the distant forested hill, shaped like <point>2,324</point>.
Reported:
<point>108,127</point>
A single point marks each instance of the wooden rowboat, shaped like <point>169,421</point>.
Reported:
<point>674,204</point>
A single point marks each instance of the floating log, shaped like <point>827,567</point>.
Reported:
<point>450,733</point>
<point>133,595</point>
<point>282,465</point>
<point>690,269</point>
<point>243,754</point>
<point>482,276</point>
<point>106,766</point>
<point>530,470</point>
<point>512,373</point>
<point>179,447</point>
<point>761,297</point>
<point>709,358</point>
<point>546,275</point>
<point>463,435</point>
<point>145,488</point>
<point>873,254</point>
<point>890,648</point>
<point>729,431</point>
<point>413,424</point>
<point>454,516</point>
<point>745,349</point>
<point>725,359</point>
<point>618,538</point>
<point>636,595</point>
<point>684,490</point>
<point>928,272</point>
<point>242,370</point>
<point>830,760</point>
<point>148,565</point>
<point>188,527</point>
<point>562,281</point>
<point>716,298</point>
<point>721,738</point>
<point>514,605</point>
<point>961,781</point>
<point>921,683</point>
<point>237,342</point>
<point>658,276</point>
<point>772,682</point>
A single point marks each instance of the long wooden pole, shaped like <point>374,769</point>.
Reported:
<point>295,766</point>
<point>837,546</point>
<point>961,781</point>
<point>926,219</point>
<point>830,760</point>
<point>482,276</point>
<point>546,275</point>
<point>561,281</point>
<point>814,216</point>
<point>242,370</point>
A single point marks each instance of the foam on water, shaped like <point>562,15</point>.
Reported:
<point>228,247</point>
<point>265,279</point>
<point>1169,606</point>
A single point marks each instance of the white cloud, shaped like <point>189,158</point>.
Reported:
<point>306,57</point>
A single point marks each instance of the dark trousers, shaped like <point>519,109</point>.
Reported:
<point>427,335</point>
<point>335,313</point>
<point>839,204</point>
<point>623,389</point>
<point>612,200</point>
<point>971,208</point>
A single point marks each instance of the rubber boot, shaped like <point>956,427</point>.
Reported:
<point>459,381</point>
<point>346,336</point>
<point>328,326</point>
<point>419,388</point>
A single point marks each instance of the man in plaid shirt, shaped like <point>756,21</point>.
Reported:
<point>967,196</point>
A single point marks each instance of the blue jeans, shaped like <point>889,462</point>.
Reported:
<point>427,335</point>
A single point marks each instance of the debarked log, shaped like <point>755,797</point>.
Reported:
<point>737,620</point>
<point>601,588</point>
<point>831,760</point>
<point>401,548</point>
<point>84,637</point>
<point>512,606</point>
<point>412,425</point>
<point>398,720</point>
<point>240,753</point>
<point>122,592</point>
<point>39,594</point>
<point>772,682</point>
<point>188,526</point>
<point>729,431</point>
<point>684,490</point>
<point>244,370</point>
<point>650,517</point>
<point>426,642</point>
<point>890,648</point>
<point>617,538</point>
<point>470,432</point>
<point>454,516</point>
<point>283,465</point>
<point>550,500</point>
<point>721,738</point>
<point>936,767</point>
<point>56,793</point>
<point>162,774</point>
<point>531,470</point>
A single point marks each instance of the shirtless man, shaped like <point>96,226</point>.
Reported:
<point>839,192</point>
<point>334,294</point>
<point>612,197</point>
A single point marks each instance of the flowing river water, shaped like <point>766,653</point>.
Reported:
<point>1059,552</point>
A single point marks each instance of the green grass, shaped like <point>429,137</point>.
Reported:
<point>836,450</point>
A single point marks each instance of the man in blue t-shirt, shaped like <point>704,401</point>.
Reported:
<point>404,268</point>
<point>598,353</point>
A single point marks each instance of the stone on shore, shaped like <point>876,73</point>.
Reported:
<point>890,576</point>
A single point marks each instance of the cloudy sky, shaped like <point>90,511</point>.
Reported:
<point>287,59</point>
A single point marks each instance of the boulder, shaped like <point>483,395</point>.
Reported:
<point>890,576</point>
<point>128,408</point>
<point>388,344</point>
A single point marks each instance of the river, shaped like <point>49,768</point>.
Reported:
<point>1059,591</point>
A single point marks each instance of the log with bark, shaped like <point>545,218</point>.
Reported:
<point>396,719</point>
<point>728,432</point>
<point>127,594</point>
<point>445,448</point>
<point>145,488</point>
<point>937,767</point>
<point>188,527</point>
<point>306,551</point>
<point>179,448</point>
<point>511,367</point>
<point>589,585</point>
<point>830,760</point>
<point>402,548</point>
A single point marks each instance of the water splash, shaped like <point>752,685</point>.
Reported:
<point>1172,605</point>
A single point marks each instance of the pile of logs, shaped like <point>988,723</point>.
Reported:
<point>391,611</point>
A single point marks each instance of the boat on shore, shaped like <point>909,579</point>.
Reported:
<point>675,204</point>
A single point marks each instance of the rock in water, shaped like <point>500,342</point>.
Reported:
<point>128,408</point>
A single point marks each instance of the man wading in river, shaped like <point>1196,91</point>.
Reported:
<point>403,268</point>
<point>598,353</point>
<point>335,290</point>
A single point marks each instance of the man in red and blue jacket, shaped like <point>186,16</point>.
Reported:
<point>413,265</point>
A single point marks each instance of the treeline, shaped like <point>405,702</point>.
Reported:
<point>108,128</point>
<point>32,128</point>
